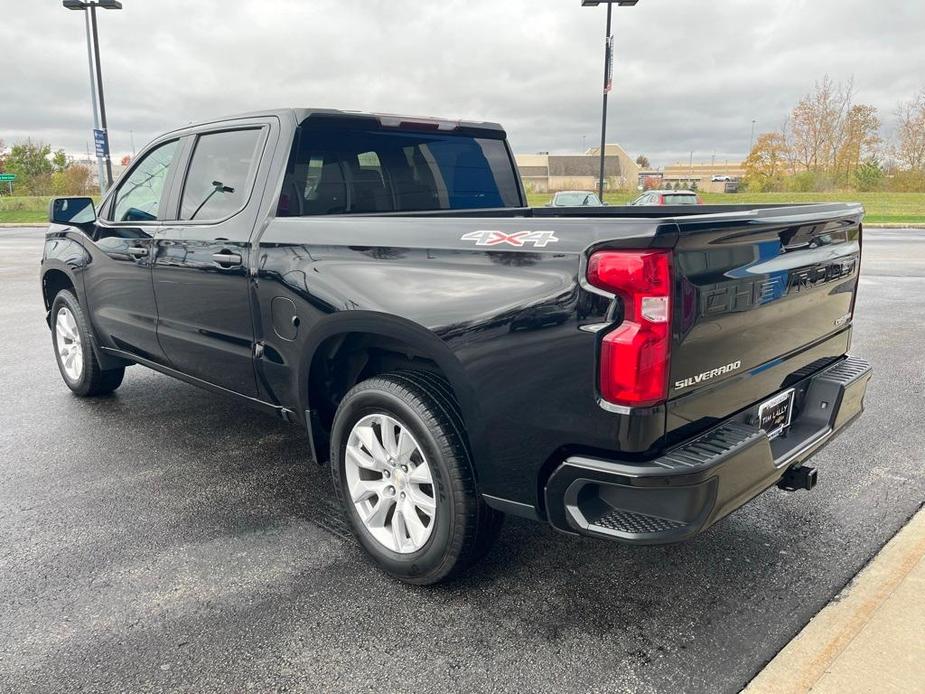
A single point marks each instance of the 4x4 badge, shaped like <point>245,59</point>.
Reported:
<point>517,239</point>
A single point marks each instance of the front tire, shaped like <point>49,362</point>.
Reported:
<point>74,350</point>
<point>403,472</point>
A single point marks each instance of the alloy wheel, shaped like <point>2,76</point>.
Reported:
<point>390,483</point>
<point>67,342</point>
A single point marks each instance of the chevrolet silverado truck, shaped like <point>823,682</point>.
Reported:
<point>627,373</point>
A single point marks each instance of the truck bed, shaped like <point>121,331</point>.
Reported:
<point>749,292</point>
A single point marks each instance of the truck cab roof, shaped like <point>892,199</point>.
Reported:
<point>331,116</point>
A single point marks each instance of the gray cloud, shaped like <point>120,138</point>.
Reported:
<point>689,76</point>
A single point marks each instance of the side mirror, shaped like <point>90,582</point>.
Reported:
<point>71,211</point>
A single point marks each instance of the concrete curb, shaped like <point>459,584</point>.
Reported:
<point>869,637</point>
<point>913,225</point>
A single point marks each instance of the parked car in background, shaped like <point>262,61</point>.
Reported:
<point>721,178</point>
<point>575,198</point>
<point>668,197</point>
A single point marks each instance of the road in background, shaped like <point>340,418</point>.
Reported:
<point>169,538</point>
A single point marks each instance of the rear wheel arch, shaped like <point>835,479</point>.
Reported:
<point>349,351</point>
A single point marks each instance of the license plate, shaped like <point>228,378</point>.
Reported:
<point>774,414</point>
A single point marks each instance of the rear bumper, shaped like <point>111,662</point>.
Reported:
<point>689,488</point>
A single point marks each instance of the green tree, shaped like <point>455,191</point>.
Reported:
<point>59,161</point>
<point>869,176</point>
<point>32,166</point>
<point>642,161</point>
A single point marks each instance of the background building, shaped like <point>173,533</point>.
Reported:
<point>700,176</point>
<point>547,173</point>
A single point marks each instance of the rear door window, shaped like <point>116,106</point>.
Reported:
<point>220,174</point>
<point>341,171</point>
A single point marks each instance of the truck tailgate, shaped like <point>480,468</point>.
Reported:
<point>759,299</point>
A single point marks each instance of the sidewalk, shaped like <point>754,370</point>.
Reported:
<point>870,638</point>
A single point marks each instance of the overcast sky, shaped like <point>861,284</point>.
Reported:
<point>689,74</point>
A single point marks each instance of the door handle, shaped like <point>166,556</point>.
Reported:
<point>227,259</point>
<point>138,251</point>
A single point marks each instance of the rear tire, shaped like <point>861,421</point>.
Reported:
<point>407,455</point>
<point>75,349</point>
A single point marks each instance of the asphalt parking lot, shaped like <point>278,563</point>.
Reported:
<point>166,538</point>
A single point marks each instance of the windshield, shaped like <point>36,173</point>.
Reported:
<point>576,199</point>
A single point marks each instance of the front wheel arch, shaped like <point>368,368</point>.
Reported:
<point>53,282</point>
<point>56,280</point>
<point>91,379</point>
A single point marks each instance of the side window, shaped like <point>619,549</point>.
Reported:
<point>220,174</point>
<point>139,197</point>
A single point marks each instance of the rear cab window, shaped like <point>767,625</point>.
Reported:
<point>349,170</point>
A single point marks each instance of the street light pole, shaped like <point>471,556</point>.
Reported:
<point>99,86</point>
<point>96,85</point>
<point>96,115</point>
<point>608,48</point>
<point>751,140</point>
<point>608,77</point>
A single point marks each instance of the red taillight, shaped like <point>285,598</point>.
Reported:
<point>661,199</point>
<point>634,356</point>
<point>699,200</point>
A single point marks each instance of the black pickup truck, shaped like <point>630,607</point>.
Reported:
<point>626,373</point>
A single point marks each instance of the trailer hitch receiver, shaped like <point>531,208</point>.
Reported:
<point>799,477</point>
